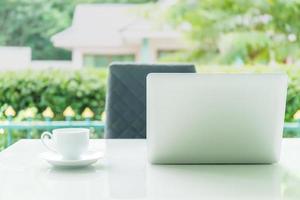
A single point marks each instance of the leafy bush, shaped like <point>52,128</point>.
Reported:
<point>56,89</point>
<point>86,88</point>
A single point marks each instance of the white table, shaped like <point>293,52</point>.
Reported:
<point>125,174</point>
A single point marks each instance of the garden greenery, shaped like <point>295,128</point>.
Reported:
<point>230,31</point>
<point>83,88</point>
<point>56,89</point>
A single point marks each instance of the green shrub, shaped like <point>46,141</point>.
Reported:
<point>57,89</point>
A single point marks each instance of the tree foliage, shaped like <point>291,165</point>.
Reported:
<point>258,31</point>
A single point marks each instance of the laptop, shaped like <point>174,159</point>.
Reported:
<point>215,118</point>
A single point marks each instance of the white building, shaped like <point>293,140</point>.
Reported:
<point>101,33</point>
<point>13,58</point>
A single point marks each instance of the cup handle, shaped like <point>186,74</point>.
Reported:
<point>49,136</point>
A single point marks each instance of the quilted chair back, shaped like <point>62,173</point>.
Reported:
<point>126,97</point>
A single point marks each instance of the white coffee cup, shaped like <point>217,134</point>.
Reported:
<point>71,143</point>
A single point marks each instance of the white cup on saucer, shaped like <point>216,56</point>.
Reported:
<point>70,143</point>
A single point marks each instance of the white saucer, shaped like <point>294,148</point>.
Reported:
<point>85,160</point>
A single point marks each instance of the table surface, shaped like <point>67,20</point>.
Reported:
<point>124,173</point>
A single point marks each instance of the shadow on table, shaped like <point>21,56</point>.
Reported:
<point>77,183</point>
<point>215,181</point>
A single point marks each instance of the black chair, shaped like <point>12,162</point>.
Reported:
<point>126,97</point>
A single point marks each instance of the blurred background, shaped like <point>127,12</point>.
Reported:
<point>54,54</point>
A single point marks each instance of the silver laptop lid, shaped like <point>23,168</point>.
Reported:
<point>215,118</point>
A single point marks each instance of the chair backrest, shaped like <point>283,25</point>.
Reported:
<point>126,97</point>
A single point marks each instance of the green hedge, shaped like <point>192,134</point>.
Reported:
<point>54,88</point>
<point>86,88</point>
